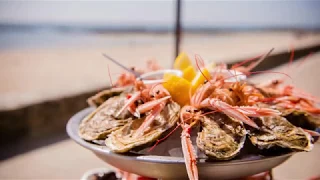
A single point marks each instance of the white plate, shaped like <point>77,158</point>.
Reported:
<point>157,76</point>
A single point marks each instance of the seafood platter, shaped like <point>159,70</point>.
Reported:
<point>197,121</point>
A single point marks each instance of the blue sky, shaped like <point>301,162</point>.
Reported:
<point>152,12</point>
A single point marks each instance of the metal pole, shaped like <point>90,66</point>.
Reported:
<point>178,28</point>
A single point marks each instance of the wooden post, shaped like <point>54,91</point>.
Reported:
<point>178,28</point>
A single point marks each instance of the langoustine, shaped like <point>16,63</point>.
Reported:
<point>297,106</point>
<point>155,114</point>
<point>223,133</point>
<point>241,103</point>
<point>129,79</point>
<point>123,139</point>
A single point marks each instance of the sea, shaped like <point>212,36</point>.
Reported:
<point>45,24</point>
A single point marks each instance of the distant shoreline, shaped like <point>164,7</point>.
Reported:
<point>8,27</point>
<point>26,36</point>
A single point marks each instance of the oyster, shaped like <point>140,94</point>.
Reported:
<point>221,137</point>
<point>122,140</point>
<point>302,119</point>
<point>101,97</point>
<point>102,121</point>
<point>276,131</point>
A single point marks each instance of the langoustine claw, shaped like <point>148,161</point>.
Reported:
<point>189,153</point>
<point>151,104</point>
<point>228,110</point>
<point>161,97</point>
<point>257,111</point>
<point>189,116</point>
<point>149,119</point>
<point>131,100</point>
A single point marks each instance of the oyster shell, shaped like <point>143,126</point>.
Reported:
<point>102,121</point>
<point>122,141</point>
<point>302,119</point>
<point>221,137</point>
<point>101,97</point>
<point>276,131</point>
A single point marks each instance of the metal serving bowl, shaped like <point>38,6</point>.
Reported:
<point>166,167</point>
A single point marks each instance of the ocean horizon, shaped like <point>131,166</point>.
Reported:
<point>59,35</point>
<point>114,28</point>
<point>55,23</point>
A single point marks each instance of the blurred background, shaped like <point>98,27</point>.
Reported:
<point>50,63</point>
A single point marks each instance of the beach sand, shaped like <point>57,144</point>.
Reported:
<point>33,75</point>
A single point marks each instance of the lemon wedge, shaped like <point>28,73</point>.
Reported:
<point>182,62</point>
<point>178,88</point>
<point>199,79</point>
<point>189,73</point>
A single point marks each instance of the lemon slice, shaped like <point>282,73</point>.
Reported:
<point>178,88</point>
<point>200,78</point>
<point>182,62</point>
<point>189,73</point>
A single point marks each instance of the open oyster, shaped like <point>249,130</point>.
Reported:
<point>276,131</point>
<point>102,121</point>
<point>302,119</point>
<point>122,140</point>
<point>221,137</point>
<point>101,97</point>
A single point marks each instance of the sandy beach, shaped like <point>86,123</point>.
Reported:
<point>33,75</point>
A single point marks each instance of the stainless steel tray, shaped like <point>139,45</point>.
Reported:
<point>166,167</point>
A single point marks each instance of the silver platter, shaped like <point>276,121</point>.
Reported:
<point>166,167</point>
